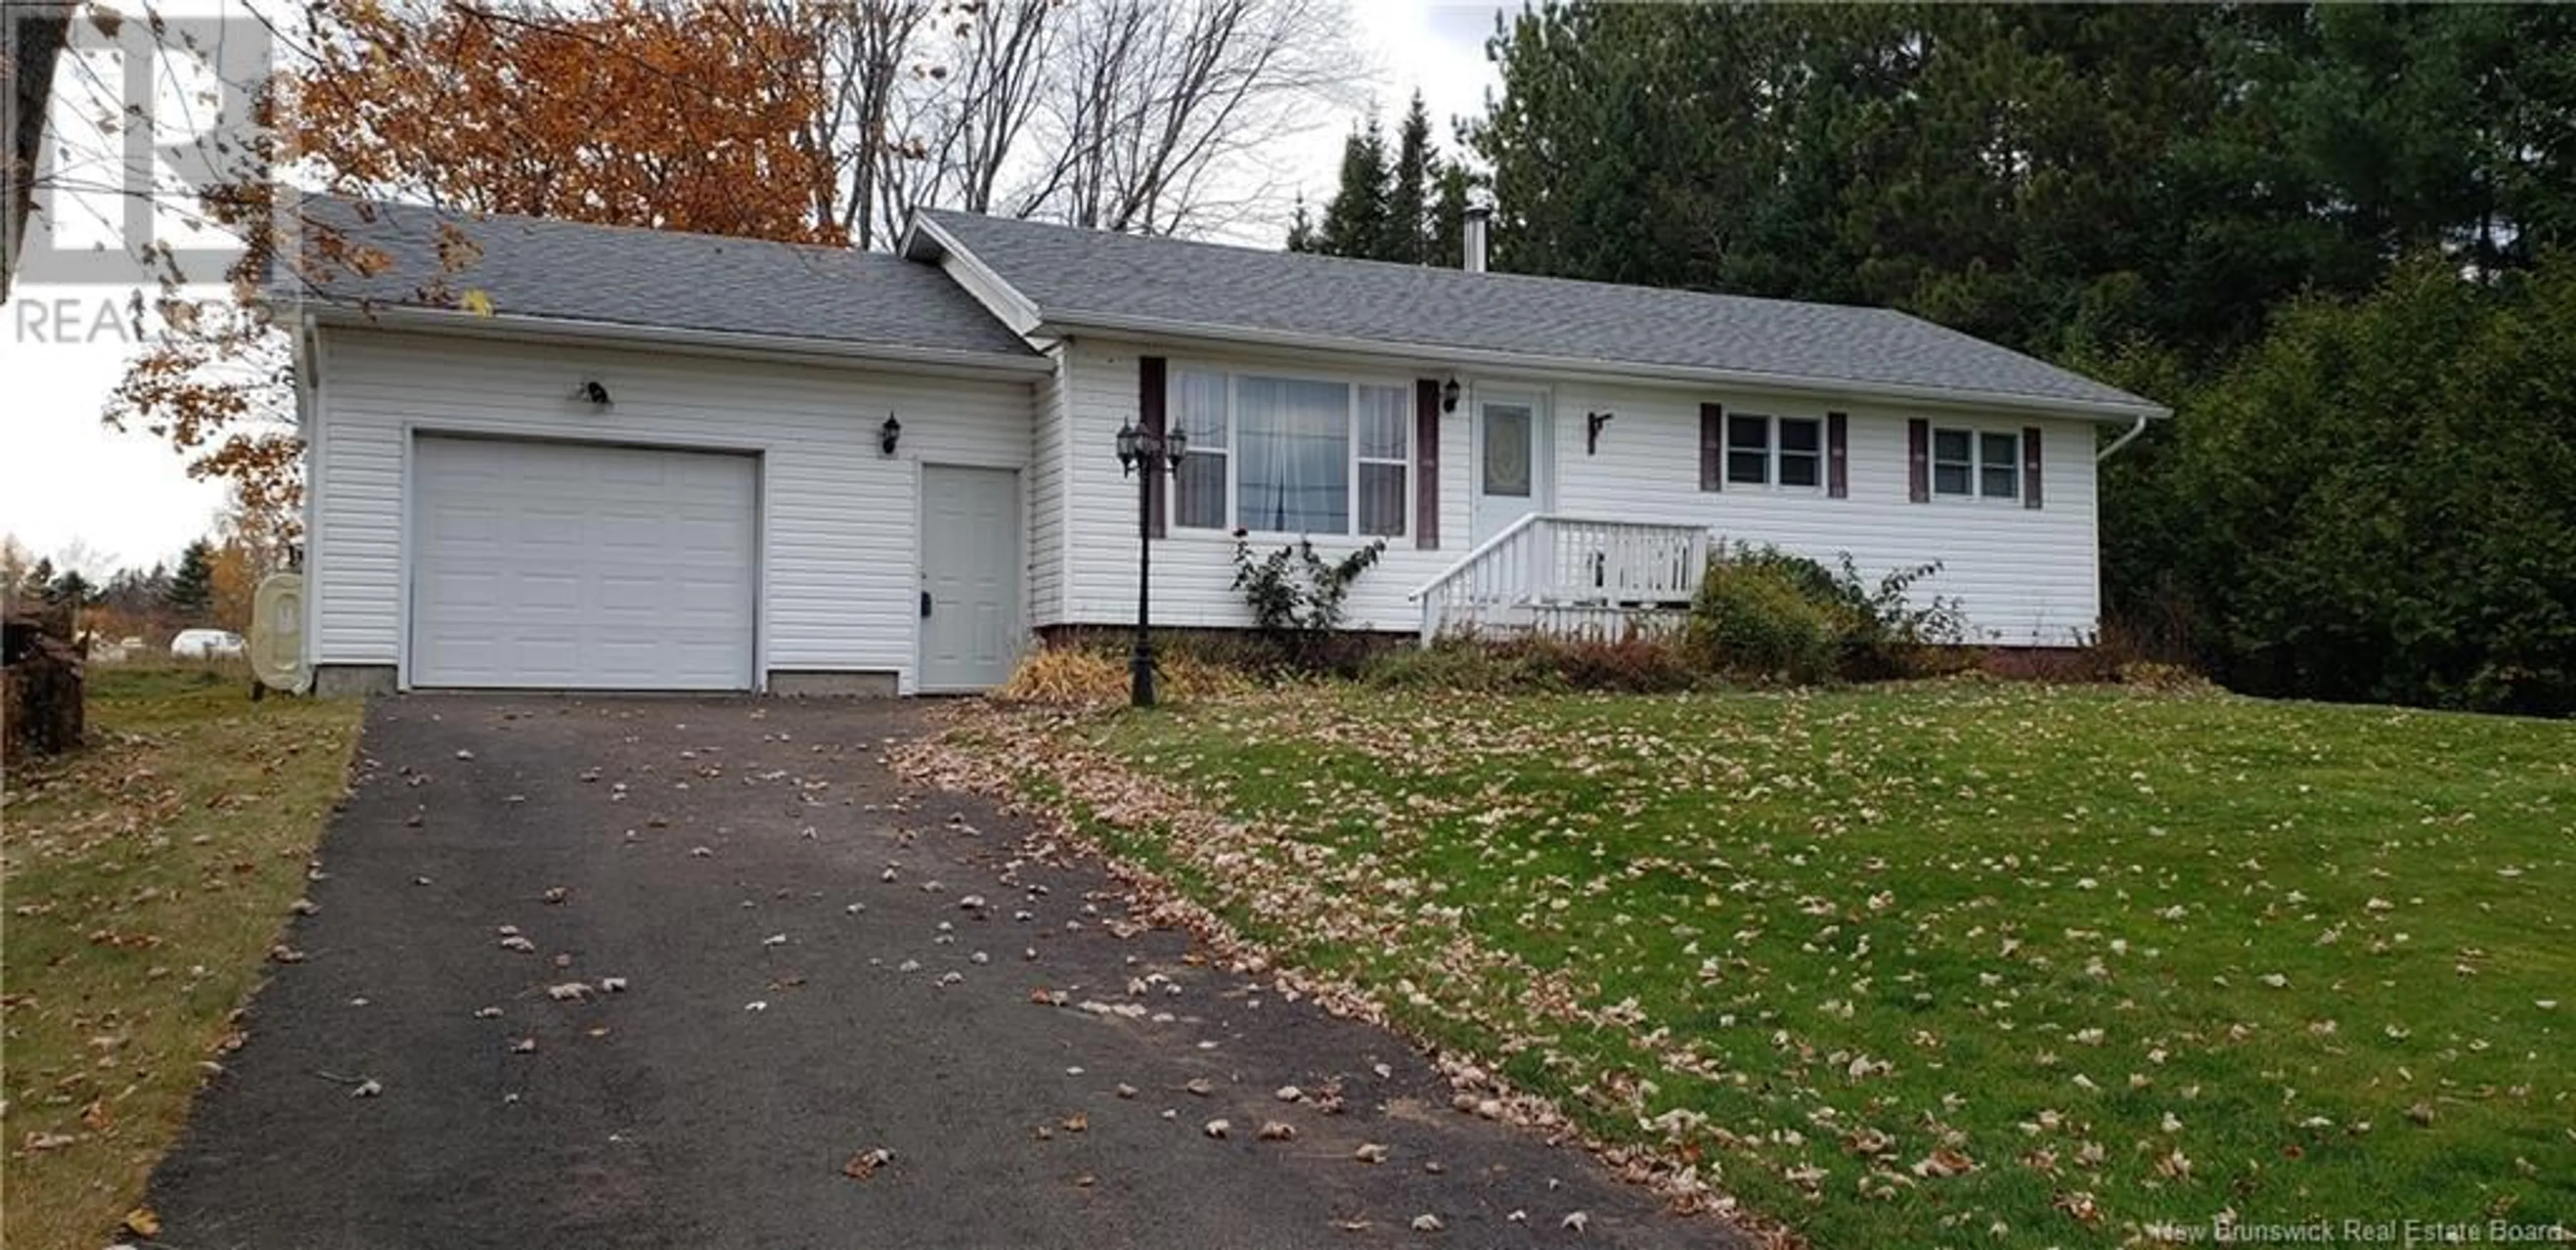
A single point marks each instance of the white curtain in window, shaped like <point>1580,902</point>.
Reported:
<point>1293,458</point>
<point>1198,487</point>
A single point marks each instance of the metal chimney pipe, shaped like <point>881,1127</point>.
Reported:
<point>1478,218</point>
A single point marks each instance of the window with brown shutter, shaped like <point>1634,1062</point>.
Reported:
<point>1426,464</point>
<point>1150,398</point>
<point>2030,466</point>
<point>1712,446</point>
<point>1837,455</point>
<point>1918,460</point>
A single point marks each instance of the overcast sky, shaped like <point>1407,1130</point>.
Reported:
<point>68,484</point>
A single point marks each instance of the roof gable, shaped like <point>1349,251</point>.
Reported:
<point>1077,277</point>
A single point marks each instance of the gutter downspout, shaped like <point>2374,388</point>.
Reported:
<point>2122,441</point>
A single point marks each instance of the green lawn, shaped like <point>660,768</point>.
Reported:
<point>1992,965</point>
<point>145,879</point>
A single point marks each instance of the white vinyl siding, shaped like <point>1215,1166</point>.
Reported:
<point>839,573</point>
<point>1194,568</point>
<point>2024,576</point>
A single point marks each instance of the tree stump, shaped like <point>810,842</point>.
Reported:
<point>40,687</point>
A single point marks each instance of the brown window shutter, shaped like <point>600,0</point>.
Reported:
<point>2030,466</point>
<point>1151,395</point>
<point>1918,460</point>
<point>1712,446</point>
<point>1426,465</point>
<point>1837,455</point>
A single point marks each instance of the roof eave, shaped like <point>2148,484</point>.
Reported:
<point>1059,323</point>
<point>576,331</point>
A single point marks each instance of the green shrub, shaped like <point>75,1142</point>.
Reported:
<point>1759,620</point>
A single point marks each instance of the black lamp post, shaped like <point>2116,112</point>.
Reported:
<point>1155,455</point>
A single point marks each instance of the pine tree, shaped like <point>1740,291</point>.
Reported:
<point>1355,218</point>
<point>1301,229</point>
<point>1447,237</point>
<point>192,588</point>
<point>1408,201</point>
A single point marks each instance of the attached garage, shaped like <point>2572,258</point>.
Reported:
<point>576,566</point>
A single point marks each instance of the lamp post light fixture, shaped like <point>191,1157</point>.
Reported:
<point>1150,456</point>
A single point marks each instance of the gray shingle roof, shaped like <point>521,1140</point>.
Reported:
<point>533,267</point>
<point>1077,276</point>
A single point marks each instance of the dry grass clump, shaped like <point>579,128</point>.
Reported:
<point>1083,677</point>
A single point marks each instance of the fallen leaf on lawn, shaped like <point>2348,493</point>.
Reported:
<point>1944,1161</point>
<point>49,1141</point>
<point>865,1163</point>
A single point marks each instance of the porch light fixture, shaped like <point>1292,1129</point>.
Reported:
<point>888,434</point>
<point>1155,455</point>
<point>1449,396</point>
<point>1592,423</point>
<point>593,393</point>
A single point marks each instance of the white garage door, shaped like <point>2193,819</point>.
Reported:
<point>569,566</point>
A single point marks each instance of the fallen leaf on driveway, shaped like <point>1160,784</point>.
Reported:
<point>865,1163</point>
<point>368,1088</point>
<point>1370,1152</point>
<point>613,985</point>
<point>516,943</point>
<point>1427,1223</point>
<point>524,1046</point>
<point>1278,1130</point>
<point>143,1222</point>
<point>756,1005</point>
<point>1200,1086</point>
<point>1577,1221</point>
<point>568,992</point>
<point>1218,1128</point>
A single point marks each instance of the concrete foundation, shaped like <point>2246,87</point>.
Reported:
<point>832,684</point>
<point>353,681</point>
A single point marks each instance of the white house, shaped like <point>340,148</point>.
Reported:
<point>561,456</point>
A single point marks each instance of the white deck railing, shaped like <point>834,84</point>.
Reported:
<point>1568,575</point>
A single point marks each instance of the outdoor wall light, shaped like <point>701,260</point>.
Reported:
<point>888,434</point>
<point>592,393</point>
<point>1449,396</point>
<point>1592,423</point>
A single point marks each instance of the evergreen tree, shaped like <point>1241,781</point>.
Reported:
<point>1355,218</point>
<point>192,588</point>
<point>71,590</point>
<point>1408,199</point>
<point>1301,229</point>
<point>1447,236</point>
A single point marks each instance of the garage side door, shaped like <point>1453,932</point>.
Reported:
<point>571,566</point>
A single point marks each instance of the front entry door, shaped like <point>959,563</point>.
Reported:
<point>970,577</point>
<point>1511,460</point>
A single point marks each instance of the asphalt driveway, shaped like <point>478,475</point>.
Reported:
<point>817,963</point>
